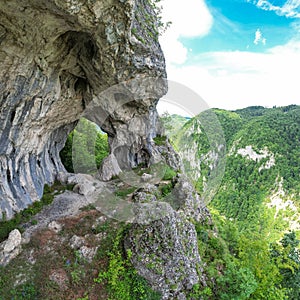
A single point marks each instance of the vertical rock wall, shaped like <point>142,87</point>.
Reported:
<point>56,58</point>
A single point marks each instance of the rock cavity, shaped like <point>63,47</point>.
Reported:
<point>56,58</point>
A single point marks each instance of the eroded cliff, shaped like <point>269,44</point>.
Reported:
<point>56,58</point>
<point>63,60</point>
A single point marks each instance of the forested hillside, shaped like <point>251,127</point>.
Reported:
<point>252,250</point>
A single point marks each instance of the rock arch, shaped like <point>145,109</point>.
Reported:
<point>56,58</point>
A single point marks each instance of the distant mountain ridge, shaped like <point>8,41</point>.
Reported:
<point>262,159</point>
<point>275,129</point>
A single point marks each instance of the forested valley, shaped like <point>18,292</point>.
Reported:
<point>251,249</point>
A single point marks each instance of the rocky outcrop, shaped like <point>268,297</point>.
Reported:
<point>163,239</point>
<point>57,59</point>
<point>166,254</point>
<point>10,248</point>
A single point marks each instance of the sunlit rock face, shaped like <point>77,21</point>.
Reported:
<point>57,59</point>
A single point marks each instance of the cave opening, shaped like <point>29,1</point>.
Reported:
<point>85,148</point>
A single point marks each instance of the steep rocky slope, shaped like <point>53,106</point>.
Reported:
<point>256,207</point>
<point>98,59</point>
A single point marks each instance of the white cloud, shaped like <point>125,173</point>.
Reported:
<point>259,37</point>
<point>190,18</point>
<point>290,9</point>
<point>174,51</point>
<point>238,79</point>
<point>232,79</point>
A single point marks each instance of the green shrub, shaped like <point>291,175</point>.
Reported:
<point>25,291</point>
<point>160,140</point>
<point>166,189</point>
<point>125,192</point>
<point>169,174</point>
<point>121,278</point>
<point>89,149</point>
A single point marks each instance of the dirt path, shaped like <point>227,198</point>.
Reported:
<point>68,203</point>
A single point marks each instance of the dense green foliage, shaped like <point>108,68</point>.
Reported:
<point>249,253</point>
<point>246,186</point>
<point>231,123</point>
<point>235,266</point>
<point>85,148</point>
<point>122,280</point>
<point>160,140</point>
<point>286,256</point>
<point>279,131</point>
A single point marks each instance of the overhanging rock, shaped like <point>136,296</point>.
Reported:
<point>56,58</point>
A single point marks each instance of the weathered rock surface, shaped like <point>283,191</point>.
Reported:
<point>64,205</point>
<point>163,240</point>
<point>10,248</point>
<point>184,198</point>
<point>56,58</point>
<point>166,254</point>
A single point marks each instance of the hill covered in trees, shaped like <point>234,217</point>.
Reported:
<point>252,251</point>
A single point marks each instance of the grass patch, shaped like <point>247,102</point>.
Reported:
<point>104,227</point>
<point>18,271</point>
<point>120,278</point>
<point>160,140</point>
<point>166,189</point>
<point>25,291</point>
<point>125,192</point>
<point>88,207</point>
<point>169,173</point>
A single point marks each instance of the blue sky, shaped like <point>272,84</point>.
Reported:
<point>235,53</point>
<point>234,27</point>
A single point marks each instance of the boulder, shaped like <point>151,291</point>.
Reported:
<point>10,248</point>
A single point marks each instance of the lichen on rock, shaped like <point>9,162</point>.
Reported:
<point>163,239</point>
<point>11,247</point>
<point>165,252</point>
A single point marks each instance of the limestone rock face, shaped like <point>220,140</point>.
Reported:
<point>10,248</point>
<point>57,57</point>
<point>163,238</point>
<point>166,253</point>
<point>99,59</point>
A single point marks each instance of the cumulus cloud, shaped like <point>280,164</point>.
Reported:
<point>290,9</point>
<point>259,38</point>
<point>236,79</point>
<point>230,79</point>
<point>190,18</point>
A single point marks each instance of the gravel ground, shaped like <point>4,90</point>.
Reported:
<point>68,204</point>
